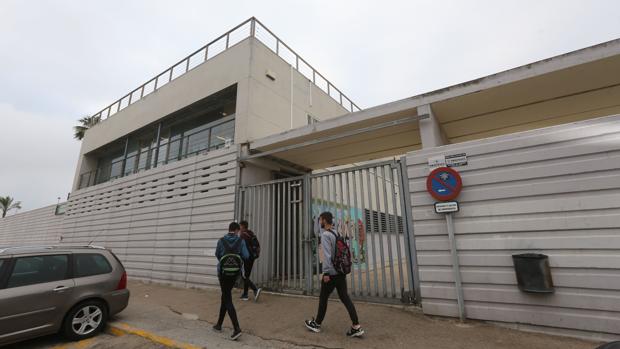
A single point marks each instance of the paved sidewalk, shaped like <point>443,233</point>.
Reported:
<point>276,321</point>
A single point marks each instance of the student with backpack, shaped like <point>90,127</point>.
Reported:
<point>336,266</point>
<point>231,251</point>
<point>251,241</point>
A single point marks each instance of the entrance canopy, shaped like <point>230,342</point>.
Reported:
<point>575,86</point>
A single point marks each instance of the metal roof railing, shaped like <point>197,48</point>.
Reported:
<point>252,27</point>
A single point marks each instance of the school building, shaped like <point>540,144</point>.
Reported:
<point>245,128</point>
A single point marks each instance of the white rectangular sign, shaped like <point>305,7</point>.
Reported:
<point>456,160</point>
<point>436,161</point>
<point>446,207</point>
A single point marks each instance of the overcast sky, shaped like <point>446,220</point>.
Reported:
<point>61,60</point>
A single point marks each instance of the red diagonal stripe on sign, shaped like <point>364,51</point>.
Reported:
<point>444,183</point>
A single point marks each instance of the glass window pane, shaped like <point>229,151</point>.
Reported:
<point>163,153</point>
<point>198,141</point>
<point>144,160</point>
<point>39,269</point>
<point>90,264</point>
<point>173,150</point>
<point>222,135</point>
<point>130,165</point>
<point>115,169</point>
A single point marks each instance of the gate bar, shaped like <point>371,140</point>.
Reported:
<point>308,230</point>
<point>390,231</point>
<point>357,233</point>
<point>380,230</point>
<point>412,262</point>
<point>402,215</point>
<point>372,234</point>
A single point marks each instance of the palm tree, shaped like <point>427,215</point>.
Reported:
<point>85,123</point>
<point>7,203</point>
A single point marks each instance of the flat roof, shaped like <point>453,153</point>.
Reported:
<point>570,87</point>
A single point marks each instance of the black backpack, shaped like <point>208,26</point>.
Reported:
<point>231,262</point>
<point>254,247</point>
<point>342,255</point>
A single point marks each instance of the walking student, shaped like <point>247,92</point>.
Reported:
<point>251,241</point>
<point>336,266</point>
<point>231,251</point>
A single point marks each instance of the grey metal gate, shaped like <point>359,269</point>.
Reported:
<point>370,209</point>
<point>275,211</point>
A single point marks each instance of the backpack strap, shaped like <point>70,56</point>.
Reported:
<point>336,235</point>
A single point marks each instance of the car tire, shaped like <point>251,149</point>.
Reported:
<point>85,320</point>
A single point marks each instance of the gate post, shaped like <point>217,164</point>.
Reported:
<point>307,231</point>
<point>239,193</point>
<point>412,259</point>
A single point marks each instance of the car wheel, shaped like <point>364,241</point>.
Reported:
<point>85,320</point>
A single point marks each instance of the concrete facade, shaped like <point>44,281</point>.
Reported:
<point>163,223</point>
<point>264,106</point>
<point>554,191</point>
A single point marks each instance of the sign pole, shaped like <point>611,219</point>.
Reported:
<point>445,184</point>
<point>455,267</point>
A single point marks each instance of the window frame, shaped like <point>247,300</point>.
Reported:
<point>4,271</point>
<point>74,264</point>
<point>11,269</point>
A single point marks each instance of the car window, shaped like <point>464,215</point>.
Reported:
<point>90,264</point>
<point>38,269</point>
<point>3,264</point>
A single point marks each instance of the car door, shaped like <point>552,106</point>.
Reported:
<point>37,291</point>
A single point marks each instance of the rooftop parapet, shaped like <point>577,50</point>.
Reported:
<point>252,27</point>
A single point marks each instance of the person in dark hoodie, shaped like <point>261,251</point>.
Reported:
<point>251,241</point>
<point>231,251</point>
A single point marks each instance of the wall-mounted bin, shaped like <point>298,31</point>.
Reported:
<point>533,272</point>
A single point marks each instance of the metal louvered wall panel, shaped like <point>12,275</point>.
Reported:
<point>554,191</point>
<point>37,227</point>
<point>163,223</point>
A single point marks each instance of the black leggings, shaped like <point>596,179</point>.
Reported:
<point>247,283</point>
<point>226,284</point>
<point>339,282</point>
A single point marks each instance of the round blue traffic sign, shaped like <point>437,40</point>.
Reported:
<point>444,184</point>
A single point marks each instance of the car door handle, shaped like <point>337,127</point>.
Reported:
<point>61,288</point>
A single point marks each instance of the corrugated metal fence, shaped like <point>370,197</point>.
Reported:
<point>368,205</point>
<point>554,191</point>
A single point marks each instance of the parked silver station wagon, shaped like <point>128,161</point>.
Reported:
<point>51,289</point>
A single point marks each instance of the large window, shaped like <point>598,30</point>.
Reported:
<point>38,270</point>
<point>201,127</point>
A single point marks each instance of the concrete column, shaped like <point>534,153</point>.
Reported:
<point>430,130</point>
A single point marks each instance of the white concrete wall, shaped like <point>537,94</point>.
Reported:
<point>269,104</point>
<point>37,227</point>
<point>163,223</point>
<point>554,191</point>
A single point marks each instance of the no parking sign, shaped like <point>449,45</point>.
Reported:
<point>444,184</point>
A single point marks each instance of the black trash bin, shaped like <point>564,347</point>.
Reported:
<point>533,272</point>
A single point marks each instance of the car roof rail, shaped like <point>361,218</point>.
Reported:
<point>47,247</point>
<point>10,248</point>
